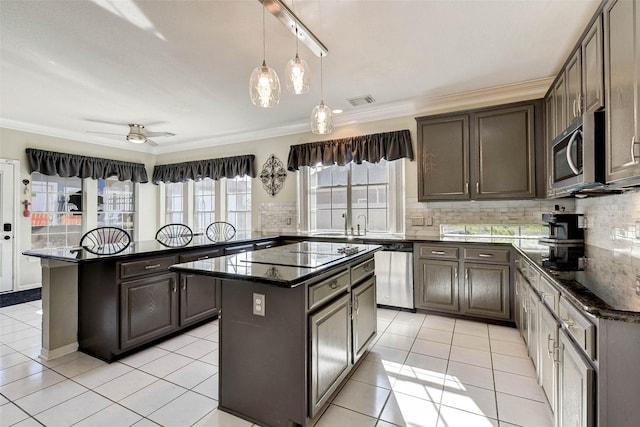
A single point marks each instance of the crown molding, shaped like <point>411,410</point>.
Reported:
<point>530,89</point>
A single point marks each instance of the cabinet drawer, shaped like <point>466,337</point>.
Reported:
<point>147,266</point>
<point>362,270</point>
<point>579,327</point>
<point>327,289</point>
<point>200,255</point>
<point>549,294</point>
<point>488,255</point>
<point>436,251</point>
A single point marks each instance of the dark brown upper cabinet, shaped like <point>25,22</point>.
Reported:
<point>578,88</point>
<point>487,153</point>
<point>622,81</point>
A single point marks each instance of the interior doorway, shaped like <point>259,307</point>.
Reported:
<point>8,199</point>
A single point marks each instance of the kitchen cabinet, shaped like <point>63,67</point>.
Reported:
<point>199,295</point>
<point>364,309</point>
<point>479,154</point>
<point>330,356</point>
<point>531,308</point>
<point>148,309</point>
<point>549,134</point>
<point>437,285</point>
<point>622,99</point>
<point>592,96</point>
<point>547,362</point>
<point>485,290</point>
<point>573,75</point>
<point>560,97</point>
<point>443,158</point>
<point>576,385</point>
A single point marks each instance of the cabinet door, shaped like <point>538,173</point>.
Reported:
<point>621,81</point>
<point>533,304</point>
<point>547,367</point>
<point>504,153</point>
<point>148,309</point>
<point>437,283</point>
<point>443,158</point>
<point>560,95</point>
<point>574,87</point>
<point>550,133</point>
<point>523,297</point>
<point>364,314</point>
<point>592,69</point>
<point>199,297</point>
<point>576,383</point>
<point>487,290</point>
<point>329,353</point>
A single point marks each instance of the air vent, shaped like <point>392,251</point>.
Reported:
<point>361,100</point>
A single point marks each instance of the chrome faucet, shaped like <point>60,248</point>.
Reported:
<point>365,224</point>
<point>344,215</point>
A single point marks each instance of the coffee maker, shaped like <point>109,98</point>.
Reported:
<point>565,241</point>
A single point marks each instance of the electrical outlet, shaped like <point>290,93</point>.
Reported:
<point>430,220</point>
<point>638,285</point>
<point>258,304</point>
<point>288,221</point>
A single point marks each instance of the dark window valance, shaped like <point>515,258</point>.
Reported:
<point>68,165</point>
<point>371,148</point>
<point>226,167</point>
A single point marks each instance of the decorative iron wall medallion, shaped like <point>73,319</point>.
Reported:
<point>273,175</point>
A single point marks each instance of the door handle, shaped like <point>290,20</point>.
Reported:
<point>7,237</point>
<point>572,141</point>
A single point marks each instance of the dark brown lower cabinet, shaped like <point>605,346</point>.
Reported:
<point>330,336</point>
<point>199,298</point>
<point>363,301</point>
<point>476,284</point>
<point>148,309</point>
<point>487,290</point>
<point>437,285</point>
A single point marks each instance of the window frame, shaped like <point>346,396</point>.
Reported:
<point>395,199</point>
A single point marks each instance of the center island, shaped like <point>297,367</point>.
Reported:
<point>294,321</point>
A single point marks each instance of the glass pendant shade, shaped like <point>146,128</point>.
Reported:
<point>321,119</point>
<point>264,87</point>
<point>297,72</point>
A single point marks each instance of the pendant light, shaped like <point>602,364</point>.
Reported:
<point>264,85</point>
<point>297,71</point>
<point>321,120</point>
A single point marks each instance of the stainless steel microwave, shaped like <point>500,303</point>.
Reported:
<point>577,155</point>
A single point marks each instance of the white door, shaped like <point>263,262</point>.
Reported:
<point>8,173</point>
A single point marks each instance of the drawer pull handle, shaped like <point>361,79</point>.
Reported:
<point>202,257</point>
<point>485,255</point>
<point>438,252</point>
<point>334,284</point>
<point>568,323</point>
<point>151,267</point>
<point>369,267</point>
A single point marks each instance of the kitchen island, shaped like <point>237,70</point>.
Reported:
<point>296,319</point>
<point>109,305</point>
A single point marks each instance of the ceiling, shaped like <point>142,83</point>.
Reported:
<point>71,68</point>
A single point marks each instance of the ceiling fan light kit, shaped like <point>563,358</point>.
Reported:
<point>136,134</point>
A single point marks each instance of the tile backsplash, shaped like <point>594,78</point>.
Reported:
<point>434,214</point>
<point>278,217</point>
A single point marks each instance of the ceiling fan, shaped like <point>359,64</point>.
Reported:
<point>138,135</point>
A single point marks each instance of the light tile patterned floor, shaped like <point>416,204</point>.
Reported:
<point>424,370</point>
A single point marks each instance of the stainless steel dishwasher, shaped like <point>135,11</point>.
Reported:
<point>394,275</point>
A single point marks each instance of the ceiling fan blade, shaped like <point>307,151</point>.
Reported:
<point>159,134</point>
<point>151,143</point>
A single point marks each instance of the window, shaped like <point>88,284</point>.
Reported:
<point>208,201</point>
<point>56,204</point>
<point>238,203</point>
<point>116,204</point>
<point>369,195</point>
<point>204,204</point>
<point>174,203</point>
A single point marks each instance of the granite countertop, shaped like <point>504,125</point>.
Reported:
<point>606,287</point>
<point>285,266</point>
<point>79,254</point>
